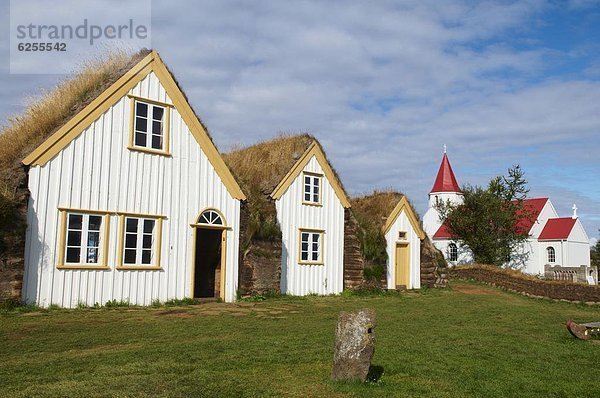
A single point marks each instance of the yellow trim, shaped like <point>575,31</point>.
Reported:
<point>77,210</point>
<point>322,242</point>
<point>106,238</point>
<point>412,217</point>
<point>121,240</point>
<point>151,63</point>
<point>146,215</point>
<point>402,278</point>
<point>313,150</point>
<point>223,265</point>
<point>121,245</point>
<point>209,226</point>
<point>223,269</point>
<point>150,101</point>
<point>149,151</point>
<point>167,128</point>
<point>62,238</point>
<point>84,267</point>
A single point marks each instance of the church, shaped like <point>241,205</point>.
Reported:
<point>557,247</point>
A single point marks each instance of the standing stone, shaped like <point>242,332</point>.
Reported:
<point>354,345</point>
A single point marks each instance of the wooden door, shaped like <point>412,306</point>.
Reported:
<point>402,265</point>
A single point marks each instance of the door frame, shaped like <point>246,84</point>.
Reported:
<point>223,228</point>
<point>396,273</point>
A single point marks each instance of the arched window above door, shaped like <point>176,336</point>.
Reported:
<point>210,217</point>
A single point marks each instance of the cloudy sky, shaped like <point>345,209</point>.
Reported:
<point>385,84</point>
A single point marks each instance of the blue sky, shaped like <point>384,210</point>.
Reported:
<point>384,85</point>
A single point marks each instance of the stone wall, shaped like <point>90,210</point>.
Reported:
<point>353,258</point>
<point>12,247</point>
<point>260,268</point>
<point>521,283</point>
<point>434,269</point>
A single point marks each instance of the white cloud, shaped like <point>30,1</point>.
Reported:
<point>384,85</point>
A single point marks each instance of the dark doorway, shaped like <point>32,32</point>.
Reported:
<point>207,273</point>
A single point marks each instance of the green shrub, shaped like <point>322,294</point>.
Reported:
<point>114,303</point>
<point>374,273</point>
<point>180,302</point>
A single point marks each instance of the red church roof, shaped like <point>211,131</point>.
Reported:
<point>443,232</point>
<point>445,180</point>
<point>530,213</point>
<point>557,228</point>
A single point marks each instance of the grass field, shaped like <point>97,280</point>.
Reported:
<point>471,341</point>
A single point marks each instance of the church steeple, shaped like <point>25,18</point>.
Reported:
<point>445,189</point>
<point>445,180</point>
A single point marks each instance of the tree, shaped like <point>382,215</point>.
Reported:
<point>488,219</point>
<point>595,253</point>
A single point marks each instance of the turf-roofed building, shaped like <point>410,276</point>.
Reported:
<point>395,244</point>
<point>129,198</point>
<point>298,235</point>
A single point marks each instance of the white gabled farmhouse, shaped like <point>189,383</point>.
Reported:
<point>310,202</point>
<point>130,200</point>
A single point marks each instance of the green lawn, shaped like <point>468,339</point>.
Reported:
<point>469,341</point>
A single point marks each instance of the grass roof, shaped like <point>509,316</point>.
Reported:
<point>371,212</point>
<point>46,113</point>
<point>260,167</point>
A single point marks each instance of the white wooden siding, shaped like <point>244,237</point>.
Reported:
<point>96,171</point>
<point>301,279</point>
<point>402,223</point>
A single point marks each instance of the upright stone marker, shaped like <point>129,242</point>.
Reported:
<point>354,345</point>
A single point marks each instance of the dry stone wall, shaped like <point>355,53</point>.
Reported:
<point>518,282</point>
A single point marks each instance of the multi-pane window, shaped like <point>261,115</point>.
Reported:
<point>310,247</point>
<point>551,254</point>
<point>83,239</point>
<point>149,126</point>
<point>139,241</point>
<point>312,188</point>
<point>452,252</point>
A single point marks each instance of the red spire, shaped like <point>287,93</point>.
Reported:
<point>445,180</point>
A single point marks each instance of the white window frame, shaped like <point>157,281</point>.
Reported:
<point>149,133</point>
<point>313,188</point>
<point>310,251</point>
<point>551,255</point>
<point>149,119</point>
<point>84,247</point>
<point>155,239</point>
<point>452,252</point>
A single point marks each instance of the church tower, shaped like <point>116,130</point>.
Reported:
<point>444,189</point>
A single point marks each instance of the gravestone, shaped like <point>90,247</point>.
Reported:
<point>354,345</point>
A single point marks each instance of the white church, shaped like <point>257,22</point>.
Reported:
<point>554,242</point>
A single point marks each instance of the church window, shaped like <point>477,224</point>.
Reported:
<point>452,252</point>
<point>551,254</point>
